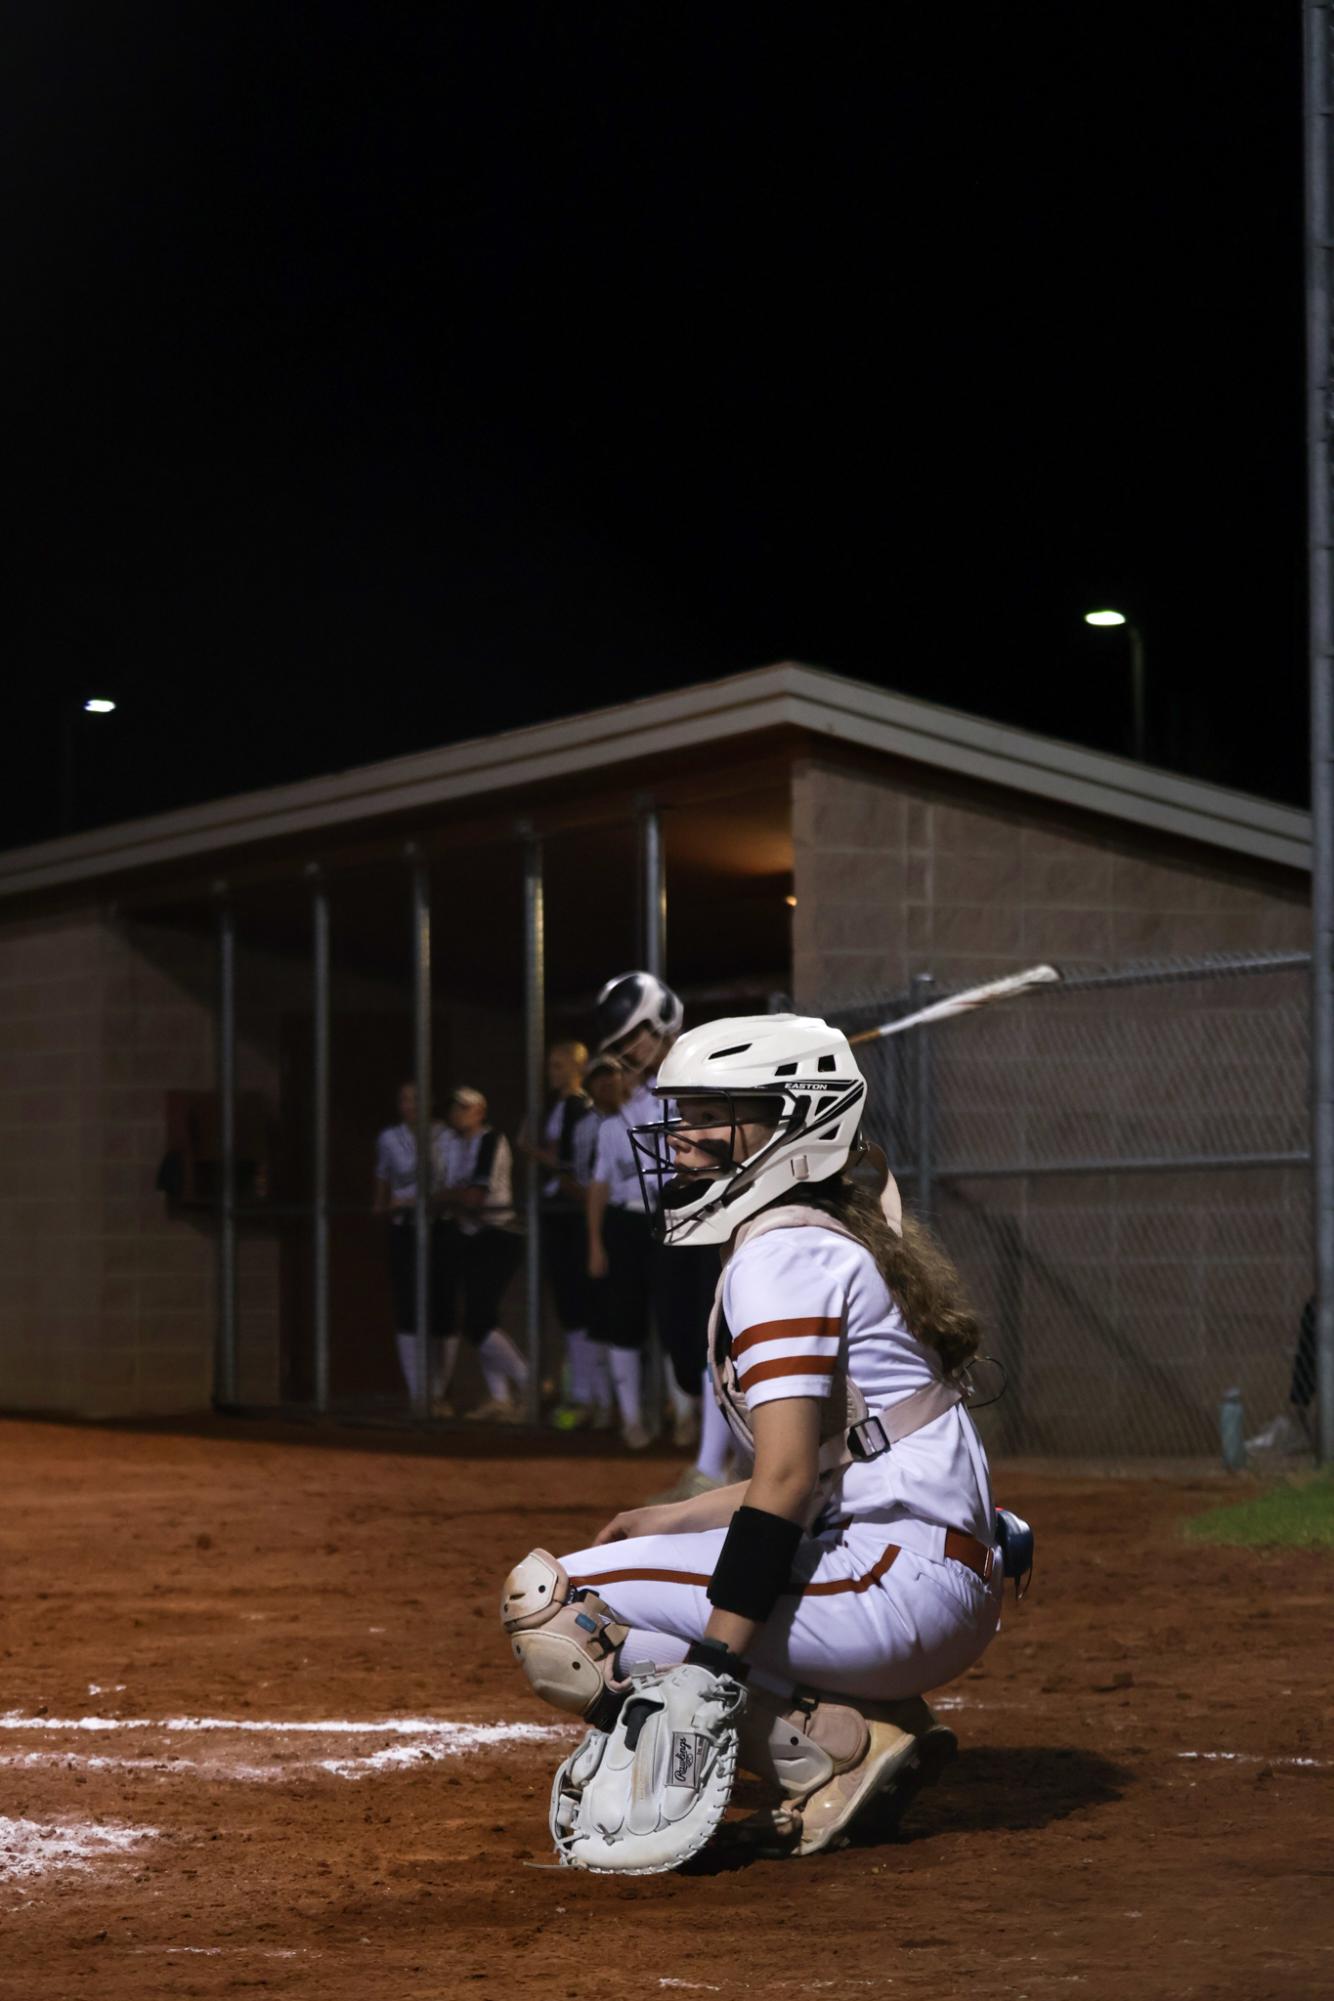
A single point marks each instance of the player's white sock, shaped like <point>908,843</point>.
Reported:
<point>626,1376</point>
<point>683,1407</point>
<point>715,1440</point>
<point>579,1388</point>
<point>444,1354</point>
<point>502,1364</point>
<point>599,1375</point>
<point>407,1362</point>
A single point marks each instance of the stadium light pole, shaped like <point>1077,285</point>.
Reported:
<point>1137,675</point>
<point>1318,101</point>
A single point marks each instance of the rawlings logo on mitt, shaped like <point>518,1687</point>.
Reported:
<point>641,1798</point>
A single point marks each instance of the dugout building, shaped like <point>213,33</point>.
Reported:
<point>204,1018</point>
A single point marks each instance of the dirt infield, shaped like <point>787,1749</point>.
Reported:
<point>1141,1805</point>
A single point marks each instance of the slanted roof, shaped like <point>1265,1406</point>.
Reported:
<point>600,741</point>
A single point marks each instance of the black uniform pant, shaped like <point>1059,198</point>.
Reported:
<point>565,1263</point>
<point>685,1278</point>
<point>468,1277</point>
<point>622,1300</point>
<point>402,1235</point>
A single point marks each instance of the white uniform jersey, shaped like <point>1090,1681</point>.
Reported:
<point>396,1161</point>
<point>552,1133</point>
<point>614,1162</point>
<point>584,1145</point>
<point>799,1302</point>
<point>461,1163</point>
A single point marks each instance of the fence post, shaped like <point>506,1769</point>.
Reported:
<point>534,1030</point>
<point>422,1218</point>
<point>1320,542</point>
<point>224,1373</point>
<point>319,906</point>
<point>923,993</point>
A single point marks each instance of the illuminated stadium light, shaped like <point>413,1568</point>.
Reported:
<point>98,705</point>
<point>1104,618</point>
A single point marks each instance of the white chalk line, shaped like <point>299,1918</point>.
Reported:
<point>1258,1758</point>
<point>421,1741</point>
<point>36,1848</point>
<point>217,1951</point>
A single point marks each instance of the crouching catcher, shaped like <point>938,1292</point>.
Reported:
<point>789,1625</point>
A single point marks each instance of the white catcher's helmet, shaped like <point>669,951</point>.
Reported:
<point>791,1071</point>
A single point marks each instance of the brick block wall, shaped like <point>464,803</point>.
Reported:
<point>1122,1305</point>
<point>106,1307</point>
<point>898,873</point>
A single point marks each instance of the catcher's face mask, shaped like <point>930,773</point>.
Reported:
<point>711,1138</point>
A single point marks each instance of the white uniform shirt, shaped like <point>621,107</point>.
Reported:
<point>614,1162</point>
<point>456,1157</point>
<point>396,1161</point>
<point>796,1302</point>
<point>584,1144</point>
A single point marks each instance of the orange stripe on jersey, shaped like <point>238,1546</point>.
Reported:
<point>787,1365</point>
<point>785,1330</point>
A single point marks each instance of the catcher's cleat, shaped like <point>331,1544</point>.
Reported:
<point>836,1764</point>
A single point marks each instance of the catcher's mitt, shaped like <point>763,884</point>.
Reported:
<point>640,1798</point>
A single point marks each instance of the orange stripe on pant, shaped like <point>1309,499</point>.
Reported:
<point>827,1589</point>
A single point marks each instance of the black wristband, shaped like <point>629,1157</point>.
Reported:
<point>754,1566</point>
<point>718,1657</point>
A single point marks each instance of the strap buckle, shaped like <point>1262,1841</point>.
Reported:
<point>868,1440</point>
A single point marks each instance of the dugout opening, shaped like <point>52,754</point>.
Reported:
<point>459,953</point>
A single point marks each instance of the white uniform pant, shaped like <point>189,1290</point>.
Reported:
<point>866,1621</point>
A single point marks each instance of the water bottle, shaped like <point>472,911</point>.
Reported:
<point>1232,1431</point>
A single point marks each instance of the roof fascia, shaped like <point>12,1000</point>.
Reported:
<point>821,704</point>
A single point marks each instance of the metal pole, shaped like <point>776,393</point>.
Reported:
<point>654,860</point>
<point>320,1186</point>
<point>421,1001</point>
<point>535,1032</point>
<point>654,900</point>
<point>1316,81</point>
<point>224,1370</point>
<point>1137,693</point>
<point>923,993</point>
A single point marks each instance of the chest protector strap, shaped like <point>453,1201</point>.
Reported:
<point>850,1431</point>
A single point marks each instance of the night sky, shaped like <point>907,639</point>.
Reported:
<point>378,376</point>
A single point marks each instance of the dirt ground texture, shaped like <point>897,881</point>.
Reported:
<point>1141,1804</point>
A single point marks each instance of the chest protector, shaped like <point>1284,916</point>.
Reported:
<point>850,1431</point>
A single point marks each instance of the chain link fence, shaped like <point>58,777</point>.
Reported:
<point>1120,1166</point>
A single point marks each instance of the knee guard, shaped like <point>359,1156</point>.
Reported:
<point>565,1640</point>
